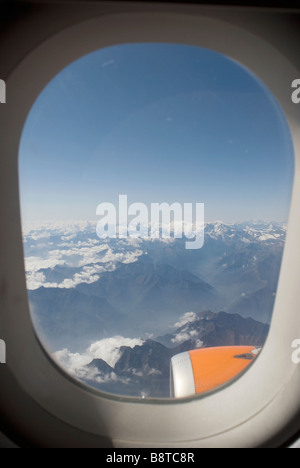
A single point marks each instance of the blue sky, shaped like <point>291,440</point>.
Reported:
<point>160,123</point>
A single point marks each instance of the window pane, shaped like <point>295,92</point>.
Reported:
<point>155,184</point>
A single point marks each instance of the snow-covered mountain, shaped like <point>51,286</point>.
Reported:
<point>247,232</point>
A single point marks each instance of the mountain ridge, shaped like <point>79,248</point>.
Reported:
<point>144,370</point>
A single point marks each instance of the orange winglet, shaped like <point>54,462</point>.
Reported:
<point>215,366</point>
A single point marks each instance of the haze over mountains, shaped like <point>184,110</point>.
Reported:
<point>149,298</point>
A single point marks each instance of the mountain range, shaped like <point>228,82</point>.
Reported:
<point>141,286</point>
<point>144,370</point>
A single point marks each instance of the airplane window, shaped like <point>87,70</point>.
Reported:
<point>155,183</point>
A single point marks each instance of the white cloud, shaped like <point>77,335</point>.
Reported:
<point>185,336</point>
<point>188,317</point>
<point>88,275</point>
<point>78,255</point>
<point>180,338</point>
<point>91,257</point>
<point>264,237</point>
<point>40,235</point>
<point>34,264</point>
<point>34,279</point>
<point>185,333</point>
<point>107,349</point>
<point>69,236</point>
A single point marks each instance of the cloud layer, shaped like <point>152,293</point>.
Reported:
<point>75,246</point>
